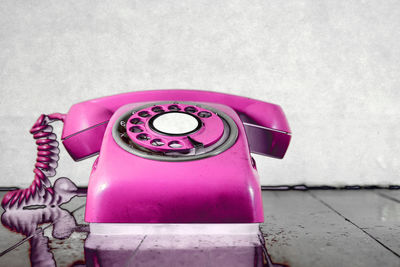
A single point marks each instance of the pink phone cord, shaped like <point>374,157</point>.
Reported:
<point>46,162</point>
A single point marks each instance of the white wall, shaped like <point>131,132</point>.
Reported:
<point>334,67</point>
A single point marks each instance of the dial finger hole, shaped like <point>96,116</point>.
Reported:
<point>175,144</point>
<point>191,109</point>
<point>143,137</point>
<point>173,108</point>
<point>204,114</point>
<point>136,121</point>
<point>157,142</point>
<point>157,109</point>
<point>136,129</point>
<point>144,114</point>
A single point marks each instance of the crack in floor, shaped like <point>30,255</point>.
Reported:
<point>135,251</point>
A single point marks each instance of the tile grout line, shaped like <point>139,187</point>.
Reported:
<point>365,232</point>
<point>135,251</point>
<point>387,197</point>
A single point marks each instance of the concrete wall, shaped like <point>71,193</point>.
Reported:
<point>332,65</point>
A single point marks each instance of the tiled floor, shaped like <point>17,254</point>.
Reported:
<point>302,228</point>
<point>333,228</point>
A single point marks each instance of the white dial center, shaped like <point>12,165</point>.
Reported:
<point>175,123</point>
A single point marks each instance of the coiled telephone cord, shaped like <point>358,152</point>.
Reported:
<point>45,166</point>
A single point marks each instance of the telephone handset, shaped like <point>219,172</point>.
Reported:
<point>166,156</point>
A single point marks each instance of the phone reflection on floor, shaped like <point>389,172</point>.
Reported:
<point>168,250</point>
<point>31,218</point>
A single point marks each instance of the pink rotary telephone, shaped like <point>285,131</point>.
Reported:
<point>165,156</point>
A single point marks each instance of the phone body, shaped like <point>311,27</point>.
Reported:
<point>210,178</point>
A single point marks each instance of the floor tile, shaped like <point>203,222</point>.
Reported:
<point>17,257</point>
<point>309,228</point>
<point>301,231</point>
<point>377,215</point>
